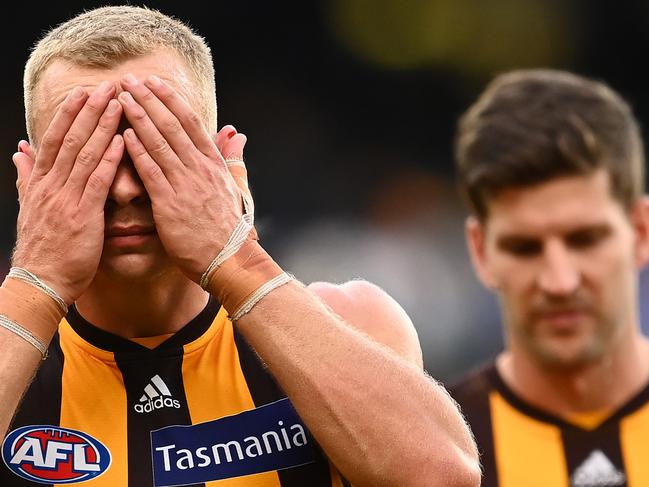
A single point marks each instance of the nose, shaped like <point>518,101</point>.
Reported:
<point>559,274</point>
<point>127,187</point>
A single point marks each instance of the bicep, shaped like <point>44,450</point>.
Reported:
<point>374,312</point>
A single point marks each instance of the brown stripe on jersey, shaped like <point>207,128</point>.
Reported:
<point>40,405</point>
<point>264,390</point>
<point>138,369</point>
<point>580,444</point>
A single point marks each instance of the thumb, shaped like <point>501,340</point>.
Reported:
<point>24,165</point>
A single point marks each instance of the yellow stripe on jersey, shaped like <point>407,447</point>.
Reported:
<point>216,387</point>
<point>90,395</point>
<point>522,444</point>
<point>634,437</point>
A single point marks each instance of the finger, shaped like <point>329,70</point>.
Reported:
<point>24,166</point>
<point>164,120</point>
<point>58,127</point>
<point>90,155</point>
<point>25,147</point>
<point>153,177</point>
<point>80,132</point>
<point>190,121</point>
<point>233,152</point>
<point>100,180</point>
<point>223,135</point>
<point>233,148</point>
<point>151,140</point>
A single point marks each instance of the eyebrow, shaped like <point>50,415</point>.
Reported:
<point>513,238</point>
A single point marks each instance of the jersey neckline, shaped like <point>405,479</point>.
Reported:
<point>105,340</point>
<point>633,404</point>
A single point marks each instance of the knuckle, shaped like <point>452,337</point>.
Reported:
<point>171,125</point>
<point>160,148</point>
<point>85,158</point>
<point>95,182</point>
<point>154,172</point>
<point>193,118</point>
<point>50,139</point>
<point>71,141</point>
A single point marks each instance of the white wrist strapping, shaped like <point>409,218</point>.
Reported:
<point>236,240</point>
<point>23,333</point>
<point>26,276</point>
<point>255,297</point>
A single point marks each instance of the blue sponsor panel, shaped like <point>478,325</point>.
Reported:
<point>271,437</point>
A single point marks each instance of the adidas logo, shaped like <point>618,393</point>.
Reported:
<point>156,396</point>
<point>597,471</point>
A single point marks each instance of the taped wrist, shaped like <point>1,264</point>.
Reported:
<point>238,278</point>
<point>30,308</point>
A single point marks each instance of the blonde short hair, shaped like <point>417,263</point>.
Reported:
<point>107,36</point>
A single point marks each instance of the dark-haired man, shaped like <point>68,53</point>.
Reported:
<point>552,166</point>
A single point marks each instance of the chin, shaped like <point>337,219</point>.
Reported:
<point>568,356</point>
<point>133,267</point>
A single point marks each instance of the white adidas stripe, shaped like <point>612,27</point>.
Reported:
<point>150,392</point>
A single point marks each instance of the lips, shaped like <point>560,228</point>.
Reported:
<point>129,237</point>
<point>127,231</point>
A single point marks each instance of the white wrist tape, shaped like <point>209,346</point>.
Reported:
<point>26,276</point>
<point>23,333</point>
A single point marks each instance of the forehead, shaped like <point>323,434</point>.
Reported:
<point>61,76</point>
<point>556,206</point>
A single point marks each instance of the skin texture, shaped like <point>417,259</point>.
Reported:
<point>166,177</point>
<point>563,257</point>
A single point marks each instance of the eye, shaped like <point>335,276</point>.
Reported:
<point>521,247</point>
<point>587,237</point>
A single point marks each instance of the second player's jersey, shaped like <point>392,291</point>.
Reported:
<point>521,445</point>
<point>198,409</point>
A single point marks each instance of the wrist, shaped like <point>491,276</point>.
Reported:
<point>241,275</point>
<point>30,307</point>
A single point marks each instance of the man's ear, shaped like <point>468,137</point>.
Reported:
<point>475,233</point>
<point>640,221</point>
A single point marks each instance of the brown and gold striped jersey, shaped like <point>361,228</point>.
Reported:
<point>523,446</point>
<point>198,409</point>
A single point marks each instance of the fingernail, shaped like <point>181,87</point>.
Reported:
<point>130,135</point>
<point>126,97</point>
<point>116,142</point>
<point>155,81</point>
<point>130,79</point>
<point>113,106</point>
<point>77,93</point>
<point>21,142</point>
<point>105,87</point>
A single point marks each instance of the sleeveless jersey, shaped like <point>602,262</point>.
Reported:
<point>199,409</point>
<point>521,445</point>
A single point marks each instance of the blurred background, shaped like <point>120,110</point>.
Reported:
<point>350,108</point>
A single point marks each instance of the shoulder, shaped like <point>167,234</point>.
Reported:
<point>373,311</point>
<point>475,386</point>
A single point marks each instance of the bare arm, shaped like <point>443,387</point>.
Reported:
<point>380,419</point>
<point>61,207</point>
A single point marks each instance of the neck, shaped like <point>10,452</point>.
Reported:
<point>142,308</point>
<point>604,385</point>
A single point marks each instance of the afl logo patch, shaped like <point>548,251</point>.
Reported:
<point>54,455</point>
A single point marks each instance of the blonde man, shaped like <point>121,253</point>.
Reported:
<point>137,265</point>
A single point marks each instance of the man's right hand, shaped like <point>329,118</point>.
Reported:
<point>62,190</point>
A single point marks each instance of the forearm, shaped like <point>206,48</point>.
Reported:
<point>381,420</point>
<point>33,311</point>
